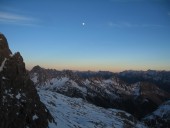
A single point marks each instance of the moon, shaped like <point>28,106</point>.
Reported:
<point>83,24</point>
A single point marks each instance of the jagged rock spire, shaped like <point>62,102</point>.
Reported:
<point>4,48</point>
<point>20,105</point>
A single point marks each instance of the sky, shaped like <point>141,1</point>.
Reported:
<point>112,35</point>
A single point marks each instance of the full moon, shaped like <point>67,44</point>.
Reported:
<point>83,24</point>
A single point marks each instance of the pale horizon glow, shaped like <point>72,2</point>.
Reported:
<point>96,35</point>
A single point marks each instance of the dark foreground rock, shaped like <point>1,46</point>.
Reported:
<point>20,105</point>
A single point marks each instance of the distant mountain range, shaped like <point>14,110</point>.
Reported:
<point>104,89</point>
<point>159,78</point>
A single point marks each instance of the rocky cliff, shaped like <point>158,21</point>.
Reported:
<point>20,105</point>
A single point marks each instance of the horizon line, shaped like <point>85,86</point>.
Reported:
<point>100,70</point>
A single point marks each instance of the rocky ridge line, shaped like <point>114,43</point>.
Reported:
<point>20,105</point>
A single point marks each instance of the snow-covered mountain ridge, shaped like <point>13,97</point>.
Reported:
<point>139,99</point>
<point>77,113</point>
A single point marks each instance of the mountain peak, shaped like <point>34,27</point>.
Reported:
<point>37,67</point>
<point>4,48</point>
<point>20,105</point>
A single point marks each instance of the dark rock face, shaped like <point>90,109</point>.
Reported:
<point>20,105</point>
<point>4,49</point>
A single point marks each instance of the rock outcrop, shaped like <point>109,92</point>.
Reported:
<point>20,105</point>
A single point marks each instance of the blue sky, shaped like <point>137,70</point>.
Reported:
<point>95,35</point>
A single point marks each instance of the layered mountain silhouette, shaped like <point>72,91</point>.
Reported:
<point>159,78</point>
<point>103,89</point>
<point>20,105</point>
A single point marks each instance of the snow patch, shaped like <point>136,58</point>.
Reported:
<point>35,117</point>
<point>86,82</point>
<point>74,84</point>
<point>2,65</point>
<point>108,81</point>
<point>11,55</point>
<point>136,89</point>
<point>35,78</point>
<point>52,125</point>
<point>3,78</point>
<point>18,96</point>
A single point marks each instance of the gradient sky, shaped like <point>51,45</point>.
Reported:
<point>89,34</point>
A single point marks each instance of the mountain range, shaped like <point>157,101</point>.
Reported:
<point>103,89</point>
<point>42,98</point>
<point>159,78</point>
